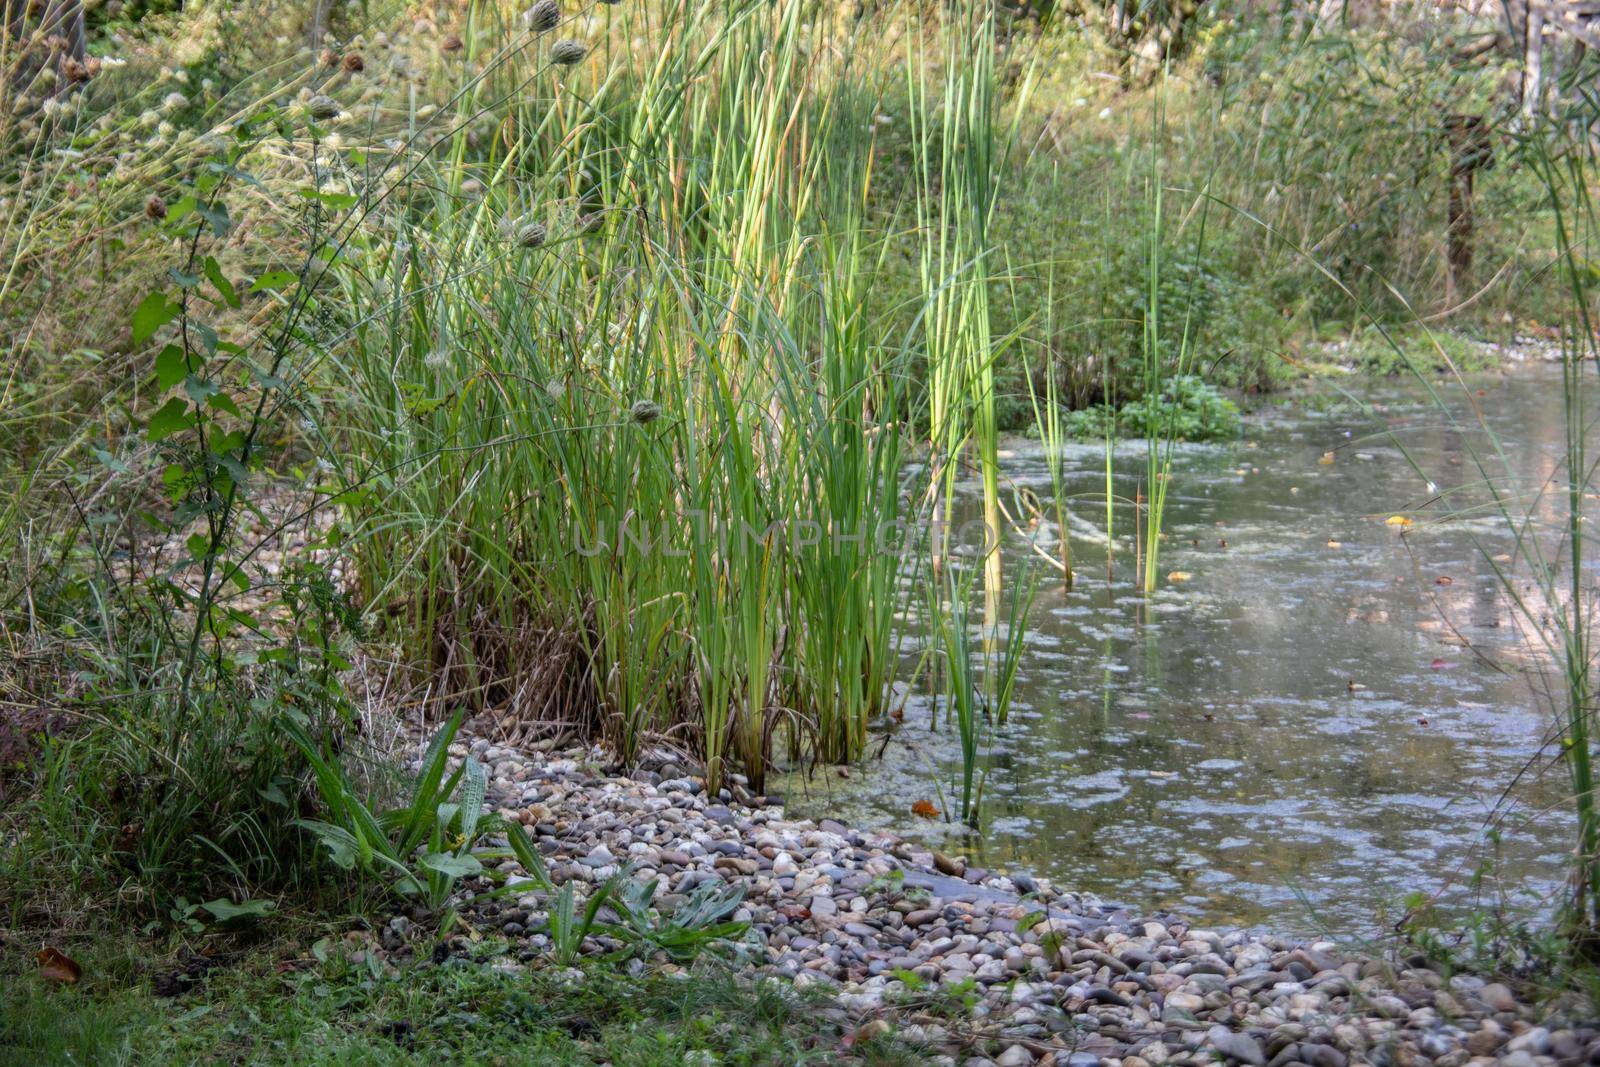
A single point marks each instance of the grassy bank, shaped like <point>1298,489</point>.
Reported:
<point>332,1000</point>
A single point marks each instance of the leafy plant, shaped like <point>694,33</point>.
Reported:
<point>1188,408</point>
<point>567,925</point>
<point>421,850</point>
<point>700,919</point>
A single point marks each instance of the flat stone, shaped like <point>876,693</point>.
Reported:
<point>1240,1047</point>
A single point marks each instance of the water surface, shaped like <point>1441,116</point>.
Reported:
<point>1321,720</point>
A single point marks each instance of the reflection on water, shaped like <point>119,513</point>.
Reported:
<point>1304,731</point>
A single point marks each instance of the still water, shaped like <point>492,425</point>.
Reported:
<point>1329,714</point>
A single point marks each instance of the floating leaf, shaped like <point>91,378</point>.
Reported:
<point>57,966</point>
<point>925,809</point>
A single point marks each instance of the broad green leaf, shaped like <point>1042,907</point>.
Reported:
<point>208,338</point>
<point>224,910</point>
<point>340,843</point>
<point>171,367</point>
<point>235,469</point>
<point>474,788</point>
<point>452,865</point>
<point>225,288</point>
<point>274,279</point>
<point>177,211</point>
<point>200,389</point>
<point>173,418</point>
<point>216,215</point>
<point>232,572</point>
<point>153,312</point>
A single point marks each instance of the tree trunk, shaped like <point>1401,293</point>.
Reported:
<point>1533,60</point>
<point>1469,151</point>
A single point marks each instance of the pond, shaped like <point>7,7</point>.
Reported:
<point>1321,720</point>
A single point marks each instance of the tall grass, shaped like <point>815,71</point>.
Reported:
<point>956,143</point>
<point>646,467</point>
<point>1563,153</point>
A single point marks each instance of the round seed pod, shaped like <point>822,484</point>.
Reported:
<point>530,234</point>
<point>568,52</point>
<point>322,107</point>
<point>542,16</point>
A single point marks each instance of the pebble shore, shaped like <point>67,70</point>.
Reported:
<point>984,967</point>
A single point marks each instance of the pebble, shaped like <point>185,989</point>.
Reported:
<point>1240,1047</point>
<point>1078,983</point>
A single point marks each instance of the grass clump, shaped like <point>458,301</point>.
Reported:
<point>339,1004</point>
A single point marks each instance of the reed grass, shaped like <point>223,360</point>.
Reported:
<point>645,469</point>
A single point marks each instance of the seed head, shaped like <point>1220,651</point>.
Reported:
<point>529,234</point>
<point>568,52</point>
<point>542,16</point>
<point>644,411</point>
<point>322,107</point>
<point>155,209</point>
